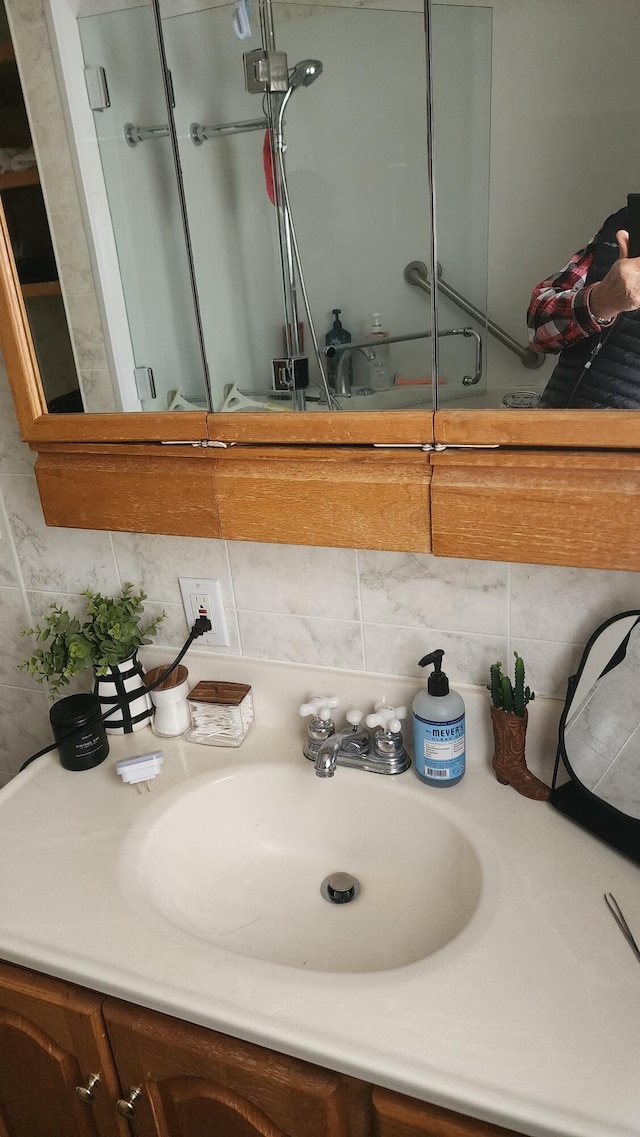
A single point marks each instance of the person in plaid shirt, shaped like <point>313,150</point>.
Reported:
<point>575,313</point>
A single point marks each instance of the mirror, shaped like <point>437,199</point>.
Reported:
<point>599,739</point>
<point>196,271</point>
<point>208,291</point>
<point>30,236</point>
<point>534,125</point>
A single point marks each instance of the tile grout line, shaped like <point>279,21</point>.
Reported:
<point>232,589</point>
<point>22,588</point>
<point>360,617</point>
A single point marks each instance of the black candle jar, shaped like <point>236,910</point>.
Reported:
<point>79,732</point>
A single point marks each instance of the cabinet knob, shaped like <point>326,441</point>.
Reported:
<point>126,1106</point>
<point>85,1093</point>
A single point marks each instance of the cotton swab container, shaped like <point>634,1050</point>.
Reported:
<point>221,713</point>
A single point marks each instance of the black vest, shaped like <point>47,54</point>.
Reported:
<point>609,377</point>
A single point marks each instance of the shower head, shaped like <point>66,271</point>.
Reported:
<point>305,73</point>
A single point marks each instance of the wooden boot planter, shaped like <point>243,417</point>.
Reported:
<point>509,762</point>
<point>509,718</point>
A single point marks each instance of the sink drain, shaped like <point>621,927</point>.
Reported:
<point>340,887</point>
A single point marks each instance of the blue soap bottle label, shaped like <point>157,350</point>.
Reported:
<point>439,748</point>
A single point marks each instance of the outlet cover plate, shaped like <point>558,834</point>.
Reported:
<point>203,596</point>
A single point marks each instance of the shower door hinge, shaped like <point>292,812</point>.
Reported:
<point>145,386</point>
<point>97,90</point>
<point>265,71</point>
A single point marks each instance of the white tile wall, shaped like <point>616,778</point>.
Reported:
<point>353,609</point>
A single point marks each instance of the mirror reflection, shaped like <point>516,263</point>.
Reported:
<point>255,190</point>
<point>29,233</point>
<point>525,97</point>
<point>256,183</point>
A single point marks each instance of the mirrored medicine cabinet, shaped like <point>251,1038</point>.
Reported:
<point>219,179</point>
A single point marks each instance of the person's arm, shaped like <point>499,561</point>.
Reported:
<point>560,313</point>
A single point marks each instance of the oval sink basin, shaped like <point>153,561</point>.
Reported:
<point>238,860</point>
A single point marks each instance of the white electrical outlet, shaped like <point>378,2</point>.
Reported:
<point>204,598</point>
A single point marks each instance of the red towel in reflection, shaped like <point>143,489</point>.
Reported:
<point>268,167</point>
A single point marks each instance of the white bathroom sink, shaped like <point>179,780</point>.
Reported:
<point>237,859</point>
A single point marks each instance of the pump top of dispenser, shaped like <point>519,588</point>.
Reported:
<point>437,683</point>
<point>337,333</point>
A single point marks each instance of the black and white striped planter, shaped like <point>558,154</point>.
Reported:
<point>126,711</point>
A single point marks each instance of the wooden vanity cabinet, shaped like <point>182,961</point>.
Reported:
<point>398,1116</point>
<point>175,1079</point>
<point>196,1082</point>
<point>52,1040</point>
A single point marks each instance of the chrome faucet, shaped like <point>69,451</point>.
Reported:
<point>343,381</point>
<point>348,747</point>
<point>382,752</point>
<point>368,349</point>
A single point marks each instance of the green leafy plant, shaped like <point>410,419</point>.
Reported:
<point>508,696</point>
<point>111,632</point>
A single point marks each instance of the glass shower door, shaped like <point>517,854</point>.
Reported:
<point>144,201</point>
<point>461,70</point>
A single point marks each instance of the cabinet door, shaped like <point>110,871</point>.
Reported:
<point>52,1040</point>
<point>399,1116</point>
<point>194,1082</point>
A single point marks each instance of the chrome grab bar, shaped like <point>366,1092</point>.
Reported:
<point>416,273</point>
<point>199,133</point>
<point>469,380</point>
<point>135,134</point>
<point>342,349</point>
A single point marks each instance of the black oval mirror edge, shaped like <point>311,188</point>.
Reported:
<point>572,798</point>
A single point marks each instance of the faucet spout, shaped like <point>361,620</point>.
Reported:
<point>348,747</point>
<point>343,384</point>
<point>327,757</point>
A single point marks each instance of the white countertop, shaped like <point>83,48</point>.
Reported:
<point>530,1018</point>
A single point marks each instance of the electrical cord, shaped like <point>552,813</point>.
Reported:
<point>200,627</point>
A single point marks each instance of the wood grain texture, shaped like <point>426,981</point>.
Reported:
<point>399,1116</point>
<point>15,340</point>
<point>578,508</point>
<point>14,179</point>
<point>340,497</point>
<point>233,1087</point>
<point>332,428</point>
<point>42,288</point>
<point>134,426</point>
<point>614,430</point>
<point>52,1036</point>
<point>139,492</point>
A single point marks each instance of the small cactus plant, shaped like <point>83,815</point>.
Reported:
<point>508,696</point>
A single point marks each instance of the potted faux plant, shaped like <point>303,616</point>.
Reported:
<point>509,717</point>
<point>107,639</point>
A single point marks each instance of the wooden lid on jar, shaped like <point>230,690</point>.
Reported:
<point>211,691</point>
<point>177,676</point>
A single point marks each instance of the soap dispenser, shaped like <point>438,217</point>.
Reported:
<point>379,367</point>
<point>438,728</point>
<point>335,336</point>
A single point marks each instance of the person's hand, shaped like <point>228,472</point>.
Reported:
<point>619,290</point>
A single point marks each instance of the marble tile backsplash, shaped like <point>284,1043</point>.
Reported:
<point>347,608</point>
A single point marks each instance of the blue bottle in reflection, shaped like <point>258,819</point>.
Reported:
<point>335,336</point>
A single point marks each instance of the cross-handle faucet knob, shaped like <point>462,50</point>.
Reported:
<point>387,717</point>
<point>319,706</point>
